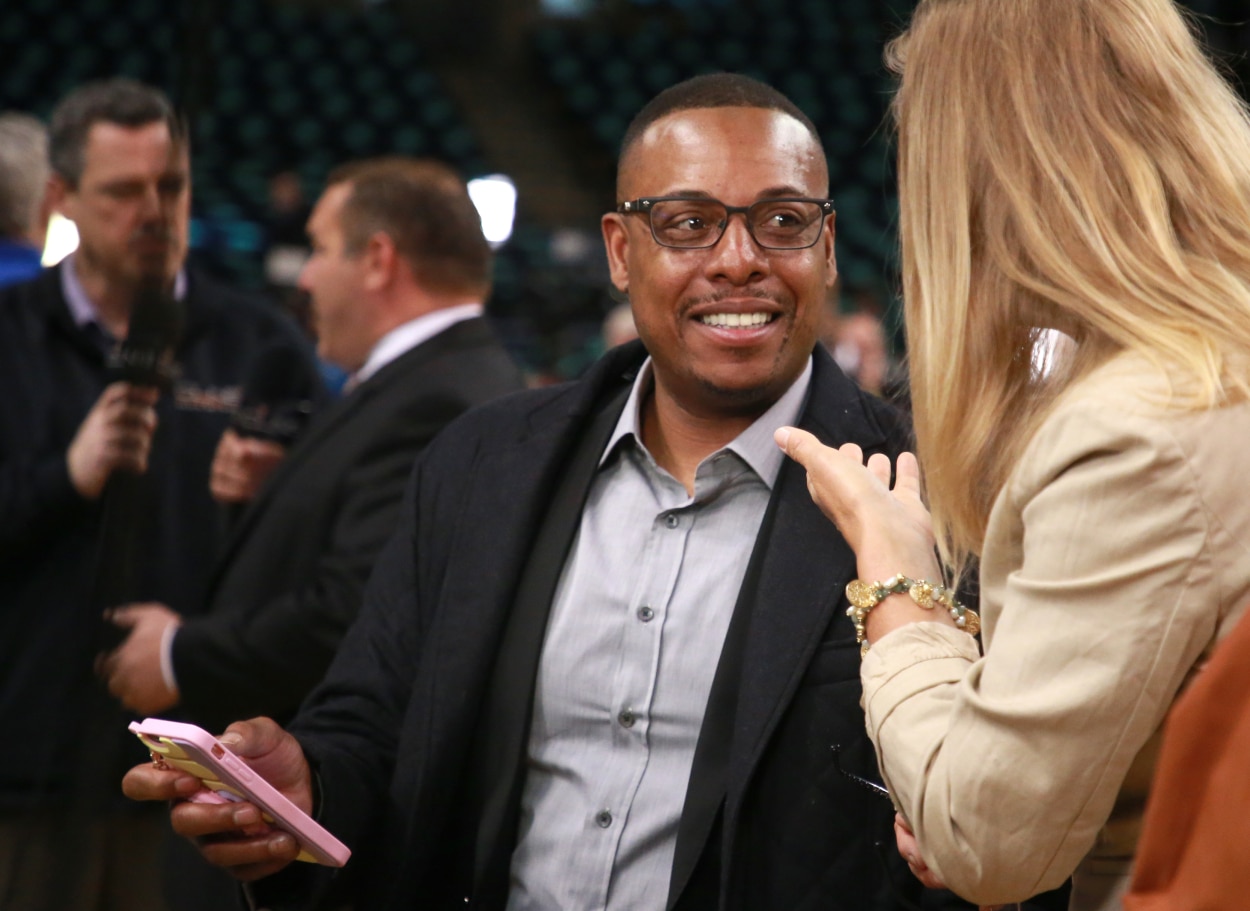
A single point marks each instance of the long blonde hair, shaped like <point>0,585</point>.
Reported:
<point>1068,164</point>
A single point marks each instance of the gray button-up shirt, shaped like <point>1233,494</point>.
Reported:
<point>633,642</point>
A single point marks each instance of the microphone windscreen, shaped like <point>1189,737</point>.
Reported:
<point>145,356</point>
<point>277,395</point>
<point>278,373</point>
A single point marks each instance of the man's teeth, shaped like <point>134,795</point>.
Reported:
<point>735,320</point>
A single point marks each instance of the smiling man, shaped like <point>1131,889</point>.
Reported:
<point>604,658</point>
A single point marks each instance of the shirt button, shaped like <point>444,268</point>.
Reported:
<point>603,819</point>
<point>627,718</point>
<point>671,521</point>
<point>646,614</point>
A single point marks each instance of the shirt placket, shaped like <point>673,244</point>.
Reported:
<point>633,689</point>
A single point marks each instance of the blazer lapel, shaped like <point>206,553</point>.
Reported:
<point>507,504</point>
<point>327,422</point>
<point>323,425</point>
<point>497,779</point>
<point>790,595</point>
<point>801,589</point>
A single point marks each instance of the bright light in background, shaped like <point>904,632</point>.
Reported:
<point>495,198</point>
<point>62,240</point>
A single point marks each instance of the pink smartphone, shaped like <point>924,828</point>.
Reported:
<point>226,777</point>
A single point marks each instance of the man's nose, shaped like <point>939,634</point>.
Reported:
<point>150,203</point>
<point>736,256</point>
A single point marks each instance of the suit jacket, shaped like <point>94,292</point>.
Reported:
<point>392,731</point>
<point>291,578</point>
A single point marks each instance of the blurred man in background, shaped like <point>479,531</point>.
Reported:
<point>104,492</point>
<point>398,276</point>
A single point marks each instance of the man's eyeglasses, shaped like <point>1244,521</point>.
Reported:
<point>692,223</point>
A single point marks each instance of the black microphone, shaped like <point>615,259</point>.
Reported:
<point>277,398</point>
<point>146,357</point>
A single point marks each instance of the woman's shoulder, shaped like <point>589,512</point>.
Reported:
<point>1136,413</point>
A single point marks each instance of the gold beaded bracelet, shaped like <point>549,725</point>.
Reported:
<point>864,596</point>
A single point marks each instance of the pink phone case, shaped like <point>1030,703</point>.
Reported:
<point>227,777</point>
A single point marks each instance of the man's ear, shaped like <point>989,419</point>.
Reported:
<point>831,260</point>
<point>616,243</point>
<point>380,259</point>
<point>58,196</point>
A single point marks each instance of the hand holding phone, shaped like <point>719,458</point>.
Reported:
<point>226,777</point>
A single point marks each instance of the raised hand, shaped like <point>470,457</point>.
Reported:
<point>889,529</point>
<point>241,465</point>
<point>115,435</point>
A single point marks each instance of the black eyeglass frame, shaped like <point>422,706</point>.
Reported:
<point>644,204</point>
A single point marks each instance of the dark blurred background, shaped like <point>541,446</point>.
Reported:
<point>280,91</point>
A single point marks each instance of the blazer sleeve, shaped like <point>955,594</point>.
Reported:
<point>350,726</point>
<point>1098,601</point>
<point>38,502</point>
<point>267,660</point>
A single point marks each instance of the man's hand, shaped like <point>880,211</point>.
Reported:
<point>241,465</point>
<point>133,669</point>
<point>115,434</point>
<point>232,835</point>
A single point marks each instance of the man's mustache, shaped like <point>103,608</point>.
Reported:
<point>160,232</point>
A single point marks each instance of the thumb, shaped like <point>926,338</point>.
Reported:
<point>125,617</point>
<point>252,738</point>
<point>797,444</point>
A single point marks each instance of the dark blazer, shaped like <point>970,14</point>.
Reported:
<point>395,730</point>
<point>291,578</point>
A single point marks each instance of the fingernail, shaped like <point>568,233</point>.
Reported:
<point>245,816</point>
<point>187,785</point>
<point>231,740</point>
<point>281,845</point>
<point>782,436</point>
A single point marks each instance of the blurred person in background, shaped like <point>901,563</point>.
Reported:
<point>1077,166</point>
<point>398,276</point>
<point>857,342</point>
<point>618,326</point>
<point>23,196</point>
<point>69,430</point>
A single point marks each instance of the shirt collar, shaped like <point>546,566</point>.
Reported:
<point>754,445</point>
<point>81,307</point>
<point>410,334</point>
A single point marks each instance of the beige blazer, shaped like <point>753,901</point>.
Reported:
<point>1116,555</point>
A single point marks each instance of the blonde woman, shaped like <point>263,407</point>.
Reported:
<point>1070,166</point>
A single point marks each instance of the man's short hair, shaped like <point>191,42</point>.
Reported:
<point>23,173</point>
<point>713,90</point>
<point>123,101</point>
<point>424,207</point>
